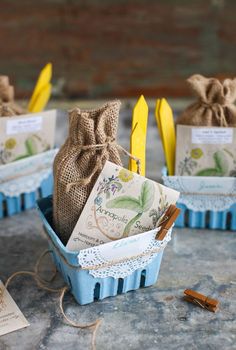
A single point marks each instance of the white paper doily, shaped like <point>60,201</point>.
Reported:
<point>26,175</point>
<point>108,266</point>
<point>221,192</point>
<point>203,203</point>
<point>24,184</point>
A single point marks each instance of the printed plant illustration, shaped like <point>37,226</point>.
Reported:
<point>187,165</point>
<point>139,205</point>
<point>33,145</point>
<point>221,166</point>
<point>163,204</point>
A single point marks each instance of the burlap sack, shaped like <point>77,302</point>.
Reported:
<point>215,104</point>
<point>8,107</point>
<point>90,143</point>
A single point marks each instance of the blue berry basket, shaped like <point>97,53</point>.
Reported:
<point>34,180</point>
<point>84,286</point>
<point>205,202</point>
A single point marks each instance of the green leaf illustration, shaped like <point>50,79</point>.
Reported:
<point>221,166</point>
<point>221,162</point>
<point>130,224</point>
<point>140,205</point>
<point>209,172</point>
<point>31,146</point>
<point>125,202</point>
<point>147,195</point>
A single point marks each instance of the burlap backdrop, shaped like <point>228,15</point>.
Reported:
<point>215,104</point>
<point>77,164</point>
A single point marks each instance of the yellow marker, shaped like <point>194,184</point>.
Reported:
<point>42,99</point>
<point>41,86</point>
<point>138,135</point>
<point>166,126</point>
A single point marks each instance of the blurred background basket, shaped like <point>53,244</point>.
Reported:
<point>205,202</point>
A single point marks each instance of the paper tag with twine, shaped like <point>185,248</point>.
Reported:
<point>11,318</point>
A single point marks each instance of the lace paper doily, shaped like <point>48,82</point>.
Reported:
<point>221,192</point>
<point>121,267</point>
<point>26,175</point>
<point>24,184</point>
<point>203,203</point>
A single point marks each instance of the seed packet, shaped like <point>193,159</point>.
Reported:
<point>121,204</point>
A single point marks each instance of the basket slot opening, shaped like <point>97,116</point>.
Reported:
<point>208,213</point>
<point>228,220</point>
<point>97,291</point>
<point>143,278</point>
<point>186,218</point>
<point>120,285</point>
<point>69,282</point>
<point>4,208</point>
<point>22,201</point>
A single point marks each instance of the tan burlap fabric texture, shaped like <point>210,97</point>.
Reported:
<point>8,107</point>
<point>79,162</point>
<point>215,104</point>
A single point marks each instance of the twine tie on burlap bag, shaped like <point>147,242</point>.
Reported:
<point>110,141</point>
<point>218,110</point>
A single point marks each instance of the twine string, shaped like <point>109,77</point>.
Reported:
<point>40,281</point>
<point>104,146</point>
<point>218,110</point>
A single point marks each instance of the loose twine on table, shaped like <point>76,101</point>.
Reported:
<point>104,146</point>
<point>41,283</point>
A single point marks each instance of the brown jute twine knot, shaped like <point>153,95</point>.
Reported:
<point>104,146</point>
<point>218,110</point>
<point>41,283</point>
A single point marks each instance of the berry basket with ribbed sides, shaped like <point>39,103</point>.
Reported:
<point>106,270</point>
<point>24,181</point>
<point>205,201</point>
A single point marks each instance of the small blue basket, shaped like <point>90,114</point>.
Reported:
<point>14,205</point>
<point>83,285</point>
<point>210,219</point>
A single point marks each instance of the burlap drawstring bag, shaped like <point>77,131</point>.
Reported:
<point>91,141</point>
<point>8,107</point>
<point>215,104</point>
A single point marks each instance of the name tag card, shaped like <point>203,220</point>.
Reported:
<point>11,318</point>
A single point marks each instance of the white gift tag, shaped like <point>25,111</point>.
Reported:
<point>212,136</point>
<point>11,318</point>
<point>22,125</point>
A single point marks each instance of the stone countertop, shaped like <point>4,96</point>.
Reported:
<point>150,318</point>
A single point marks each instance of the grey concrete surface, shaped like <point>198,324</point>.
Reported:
<point>154,318</point>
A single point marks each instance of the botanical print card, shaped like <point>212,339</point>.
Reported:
<point>205,151</point>
<point>121,204</point>
<point>26,135</point>
<point>11,318</point>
